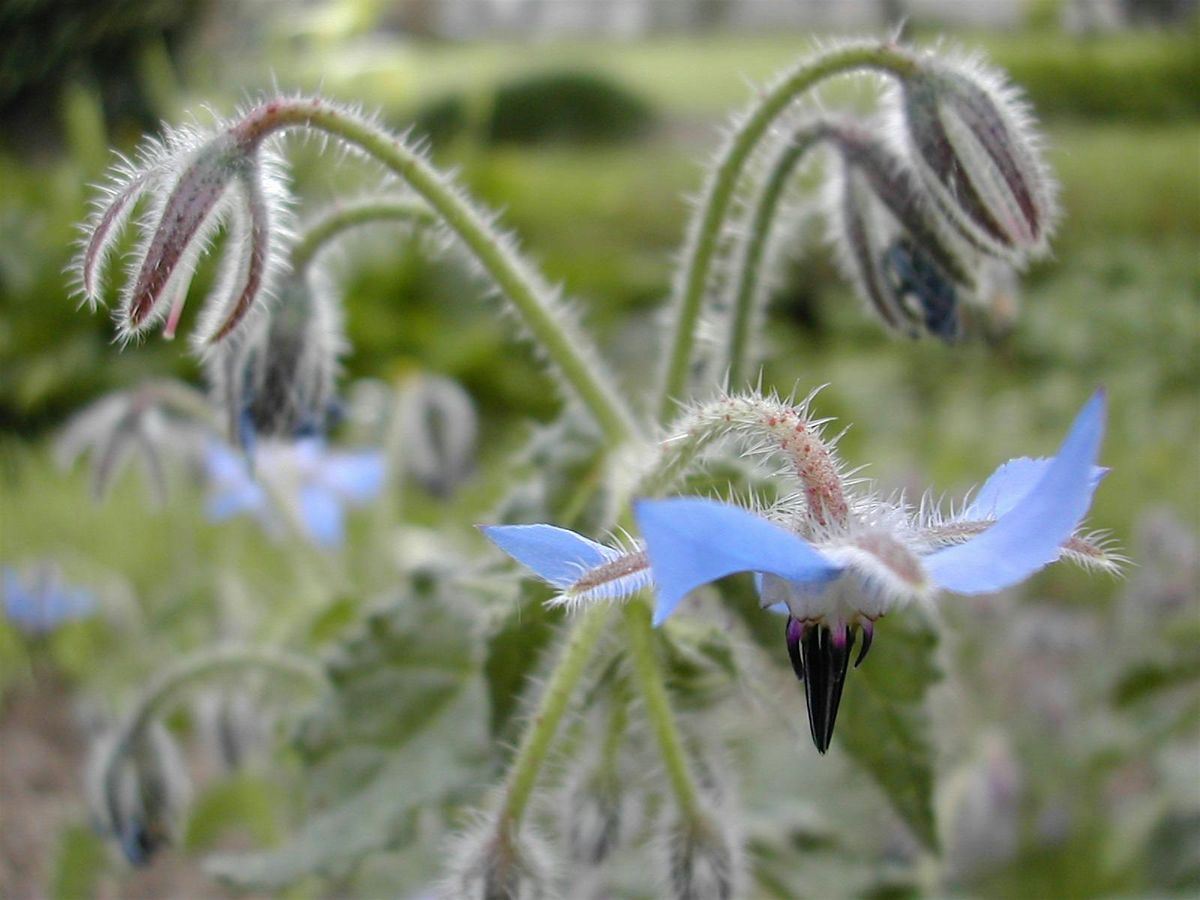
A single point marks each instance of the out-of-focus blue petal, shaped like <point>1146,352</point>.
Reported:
<point>555,554</point>
<point>1031,533</point>
<point>321,514</point>
<point>357,476</point>
<point>1009,484</point>
<point>224,466</point>
<point>235,499</point>
<point>692,541</point>
<point>780,609</point>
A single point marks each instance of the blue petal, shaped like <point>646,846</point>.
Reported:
<point>1031,533</point>
<point>233,500</point>
<point>321,514</point>
<point>356,476</point>
<point>555,554</point>
<point>692,541</point>
<point>1009,484</point>
<point>225,466</point>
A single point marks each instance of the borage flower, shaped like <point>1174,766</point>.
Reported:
<point>851,569</point>
<point>833,587</point>
<point>302,483</point>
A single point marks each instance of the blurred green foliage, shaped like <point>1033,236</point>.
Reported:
<point>554,106</point>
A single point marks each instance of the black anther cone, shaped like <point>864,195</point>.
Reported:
<point>825,664</point>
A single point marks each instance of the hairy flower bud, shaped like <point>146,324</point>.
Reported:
<point>702,862</point>
<point>891,243</point>
<point>197,182</point>
<point>141,795</point>
<point>592,813</point>
<point>972,137</point>
<point>278,379</point>
<point>439,425</point>
<point>490,864</point>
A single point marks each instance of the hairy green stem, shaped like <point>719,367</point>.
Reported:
<point>554,703</point>
<point>747,291</point>
<point>333,222</point>
<point>705,231</point>
<point>638,640</point>
<point>568,351</point>
<point>193,670</point>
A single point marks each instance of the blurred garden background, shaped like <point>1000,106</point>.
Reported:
<point>1073,764</point>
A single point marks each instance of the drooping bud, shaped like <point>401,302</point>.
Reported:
<point>592,813</point>
<point>141,795</point>
<point>492,864</point>
<point>972,138</point>
<point>702,862</point>
<point>152,422</point>
<point>198,181</point>
<point>891,243</point>
<point>277,380</point>
<point>439,428</point>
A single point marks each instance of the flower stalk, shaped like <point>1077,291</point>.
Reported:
<point>516,280</point>
<point>705,232</point>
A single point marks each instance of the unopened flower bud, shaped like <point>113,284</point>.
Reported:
<point>972,137</point>
<point>198,181</point>
<point>142,793</point>
<point>438,427</point>
<point>491,864</point>
<point>592,813</point>
<point>905,263</point>
<point>702,862</point>
<point>278,380</point>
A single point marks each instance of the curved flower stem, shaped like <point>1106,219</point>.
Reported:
<point>706,227</point>
<point>533,300</point>
<point>555,701</point>
<point>658,708</point>
<point>747,292</point>
<point>364,212</point>
<point>191,671</point>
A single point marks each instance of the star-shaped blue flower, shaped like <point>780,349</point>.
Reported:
<point>833,585</point>
<point>1017,524</point>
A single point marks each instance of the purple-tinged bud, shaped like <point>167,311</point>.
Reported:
<point>197,182</point>
<point>891,241</point>
<point>973,141</point>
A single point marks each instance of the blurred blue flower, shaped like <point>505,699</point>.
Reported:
<point>303,483</point>
<point>38,601</point>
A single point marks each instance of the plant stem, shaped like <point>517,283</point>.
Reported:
<point>747,292</point>
<point>658,707</point>
<point>555,701</point>
<point>364,212</point>
<point>534,301</point>
<point>707,225</point>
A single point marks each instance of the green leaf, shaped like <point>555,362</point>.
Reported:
<point>81,860</point>
<point>1150,679</point>
<point>432,766</point>
<point>403,729</point>
<point>246,801</point>
<point>511,655</point>
<point>883,725</point>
